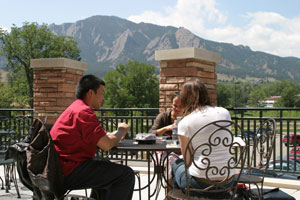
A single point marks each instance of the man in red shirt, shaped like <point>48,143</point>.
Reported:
<point>76,135</point>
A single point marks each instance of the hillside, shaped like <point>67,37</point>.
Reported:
<point>105,41</point>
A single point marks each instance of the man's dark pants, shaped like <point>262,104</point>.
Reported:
<point>112,180</point>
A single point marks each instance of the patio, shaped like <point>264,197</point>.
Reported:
<point>291,187</point>
<point>142,122</point>
<point>175,71</point>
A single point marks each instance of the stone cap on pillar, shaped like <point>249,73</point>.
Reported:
<point>44,63</point>
<point>186,53</point>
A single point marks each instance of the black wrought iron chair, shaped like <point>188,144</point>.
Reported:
<point>38,164</point>
<point>8,136</point>
<point>264,141</point>
<point>225,188</point>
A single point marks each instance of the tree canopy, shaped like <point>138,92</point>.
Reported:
<point>254,94</point>
<point>33,41</point>
<point>133,85</point>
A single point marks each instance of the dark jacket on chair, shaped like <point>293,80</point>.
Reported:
<point>43,167</point>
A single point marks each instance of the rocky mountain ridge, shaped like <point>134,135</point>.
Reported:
<point>105,41</point>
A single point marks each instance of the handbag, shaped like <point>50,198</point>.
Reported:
<point>271,194</point>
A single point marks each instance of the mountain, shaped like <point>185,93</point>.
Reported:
<point>105,41</point>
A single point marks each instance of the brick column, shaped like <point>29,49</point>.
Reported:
<point>180,65</point>
<point>54,85</point>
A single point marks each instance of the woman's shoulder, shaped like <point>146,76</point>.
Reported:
<point>222,109</point>
<point>223,113</point>
<point>216,108</point>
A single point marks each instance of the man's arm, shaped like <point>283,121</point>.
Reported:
<point>110,140</point>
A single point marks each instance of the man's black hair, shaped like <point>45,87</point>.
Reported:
<point>86,83</point>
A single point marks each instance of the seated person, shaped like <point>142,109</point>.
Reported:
<point>163,126</point>
<point>198,112</point>
<point>76,135</point>
<point>164,122</point>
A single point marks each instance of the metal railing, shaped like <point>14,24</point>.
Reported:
<point>141,120</point>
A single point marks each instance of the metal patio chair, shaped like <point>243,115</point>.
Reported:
<point>8,136</point>
<point>225,188</point>
<point>264,141</point>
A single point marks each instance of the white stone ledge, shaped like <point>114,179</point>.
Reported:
<point>186,53</point>
<point>282,183</point>
<point>45,63</point>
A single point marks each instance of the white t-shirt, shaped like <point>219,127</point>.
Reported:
<point>191,123</point>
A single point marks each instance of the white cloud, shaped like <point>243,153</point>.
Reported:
<point>4,28</point>
<point>264,31</point>
<point>190,14</point>
<point>268,32</point>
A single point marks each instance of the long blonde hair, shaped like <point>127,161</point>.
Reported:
<point>194,96</point>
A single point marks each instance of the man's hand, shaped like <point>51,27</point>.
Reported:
<point>111,139</point>
<point>123,127</point>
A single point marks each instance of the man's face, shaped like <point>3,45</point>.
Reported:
<point>97,98</point>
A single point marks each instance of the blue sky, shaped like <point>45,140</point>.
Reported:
<point>272,26</point>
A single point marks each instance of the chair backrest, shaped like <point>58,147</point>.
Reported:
<point>43,163</point>
<point>220,139</point>
<point>12,130</point>
<point>7,133</point>
<point>263,144</point>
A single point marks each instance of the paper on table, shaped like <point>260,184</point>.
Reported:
<point>172,145</point>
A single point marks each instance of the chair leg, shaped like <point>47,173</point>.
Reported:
<point>259,192</point>
<point>137,174</point>
<point>2,187</point>
<point>67,196</point>
<point>6,177</point>
<point>14,179</point>
<point>10,175</point>
<point>260,195</point>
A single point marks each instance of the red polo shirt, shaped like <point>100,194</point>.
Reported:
<point>75,135</point>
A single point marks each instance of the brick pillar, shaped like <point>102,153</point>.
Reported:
<point>54,85</point>
<point>180,65</point>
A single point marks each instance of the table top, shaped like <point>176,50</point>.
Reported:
<point>158,146</point>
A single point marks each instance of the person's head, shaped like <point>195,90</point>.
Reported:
<point>176,105</point>
<point>194,95</point>
<point>90,89</point>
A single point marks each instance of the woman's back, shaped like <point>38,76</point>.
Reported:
<point>193,122</point>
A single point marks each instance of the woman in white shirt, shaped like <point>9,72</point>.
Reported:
<point>198,112</point>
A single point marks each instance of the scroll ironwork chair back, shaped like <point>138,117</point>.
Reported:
<point>263,144</point>
<point>219,137</point>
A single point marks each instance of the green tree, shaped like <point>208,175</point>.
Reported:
<point>224,95</point>
<point>277,88</point>
<point>34,41</point>
<point>288,97</point>
<point>134,85</point>
<point>5,95</point>
<point>19,88</point>
<point>256,97</point>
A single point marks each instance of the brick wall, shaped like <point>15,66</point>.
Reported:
<point>55,81</point>
<point>180,65</point>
